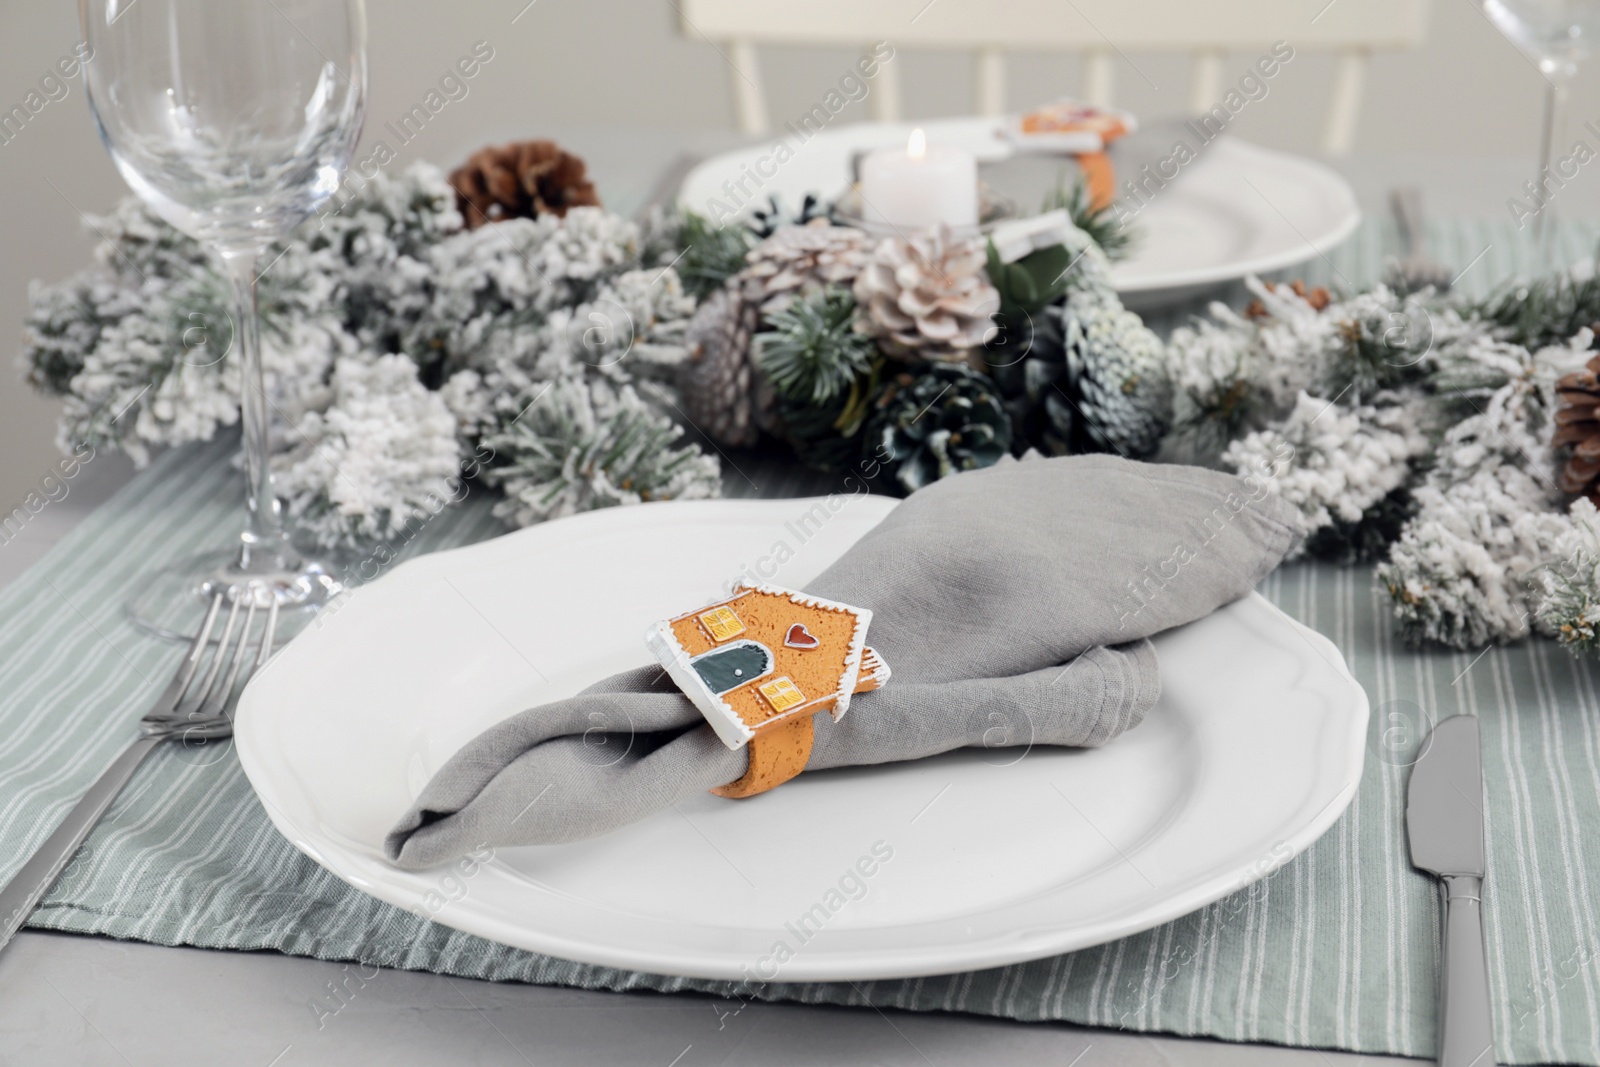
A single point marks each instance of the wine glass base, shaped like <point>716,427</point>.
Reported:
<point>171,603</point>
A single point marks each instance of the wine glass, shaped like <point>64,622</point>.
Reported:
<point>234,120</point>
<point>1557,35</point>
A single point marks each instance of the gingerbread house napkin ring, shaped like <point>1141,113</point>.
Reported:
<point>1082,131</point>
<point>760,664</point>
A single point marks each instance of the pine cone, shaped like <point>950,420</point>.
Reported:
<point>522,180</point>
<point>926,426</point>
<point>1578,428</point>
<point>928,298</point>
<point>801,259</point>
<point>1118,396</point>
<point>715,381</point>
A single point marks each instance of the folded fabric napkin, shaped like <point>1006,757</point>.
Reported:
<point>1012,603</point>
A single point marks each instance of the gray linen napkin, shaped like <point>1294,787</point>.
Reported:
<point>1013,605</point>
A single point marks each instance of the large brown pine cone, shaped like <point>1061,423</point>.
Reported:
<point>522,180</point>
<point>1578,428</point>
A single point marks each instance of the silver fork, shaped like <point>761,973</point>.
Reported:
<point>196,706</point>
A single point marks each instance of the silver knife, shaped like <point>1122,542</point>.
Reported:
<point>197,705</point>
<point>1444,823</point>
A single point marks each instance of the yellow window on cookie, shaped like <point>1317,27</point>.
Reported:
<point>782,694</point>
<point>721,623</point>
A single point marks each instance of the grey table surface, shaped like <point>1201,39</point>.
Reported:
<point>67,1000</point>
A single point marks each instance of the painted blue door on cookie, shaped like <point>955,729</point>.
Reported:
<point>733,665</point>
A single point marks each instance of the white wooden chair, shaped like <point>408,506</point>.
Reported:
<point>1103,31</point>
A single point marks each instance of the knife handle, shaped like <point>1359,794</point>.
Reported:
<point>19,896</point>
<point>1466,1027</point>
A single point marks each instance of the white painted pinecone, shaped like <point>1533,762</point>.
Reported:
<point>927,297</point>
<point>1119,372</point>
<point>797,259</point>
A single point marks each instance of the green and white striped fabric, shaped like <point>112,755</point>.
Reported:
<point>1337,948</point>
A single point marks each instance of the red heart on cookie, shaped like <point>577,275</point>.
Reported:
<point>800,637</point>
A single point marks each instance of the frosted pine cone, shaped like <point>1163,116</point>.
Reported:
<point>1121,396</point>
<point>715,381</point>
<point>800,259</point>
<point>927,298</point>
<point>937,422</point>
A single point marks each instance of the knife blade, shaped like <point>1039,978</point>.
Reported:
<point>1444,826</point>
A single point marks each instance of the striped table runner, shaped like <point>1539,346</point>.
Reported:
<point>1337,948</point>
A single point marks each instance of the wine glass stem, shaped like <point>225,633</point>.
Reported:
<point>263,546</point>
<point>1555,94</point>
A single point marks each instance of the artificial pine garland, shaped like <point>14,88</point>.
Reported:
<point>812,352</point>
<point>1545,311</point>
<point>711,254</point>
<point>560,356</point>
<point>1102,225</point>
<point>585,445</point>
<point>1567,602</point>
<point>405,352</point>
<point>823,372</point>
<point>1418,431</point>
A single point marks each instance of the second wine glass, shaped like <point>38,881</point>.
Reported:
<point>1558,35</point>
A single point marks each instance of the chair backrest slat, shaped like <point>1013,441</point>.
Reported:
<point>1206,79</point>
<point>1098,76</point>
<point>989,81</point>
<point>749,101</point>
<point>885,99</point>
<point>1102,32</point>
<point>1344,104</point>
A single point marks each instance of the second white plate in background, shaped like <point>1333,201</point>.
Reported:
<point>1239,209</point>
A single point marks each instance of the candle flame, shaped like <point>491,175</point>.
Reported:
<point>917,146</point>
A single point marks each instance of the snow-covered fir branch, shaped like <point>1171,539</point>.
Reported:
<point>1332,463</point>
<point>1489,515</point>
<point>392,339</point>
<point>581,445</point>
<point>1566,594</point>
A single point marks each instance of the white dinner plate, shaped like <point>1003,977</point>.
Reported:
<point>973,859</point>
<point>1239,209</point>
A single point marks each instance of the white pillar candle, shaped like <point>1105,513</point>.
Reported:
<point>920,186</point>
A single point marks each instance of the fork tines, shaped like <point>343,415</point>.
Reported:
<point>201,695</point>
